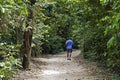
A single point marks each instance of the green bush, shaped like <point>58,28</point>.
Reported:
<point>52,45</point>
<point>8,67</point>
<point>8,64</point>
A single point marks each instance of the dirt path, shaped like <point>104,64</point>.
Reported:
<point>56,67</point>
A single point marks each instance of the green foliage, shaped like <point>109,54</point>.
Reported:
<point>113,42</point>
<point>8,62</point>
<point>51,29</point>
<point>52,44</point>
<point>7,68</point>
<point>94,26</point>
<point>10,21</point>
<point>97,31</point>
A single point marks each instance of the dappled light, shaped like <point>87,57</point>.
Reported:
<point>50,72</point>
<point>59,39</point>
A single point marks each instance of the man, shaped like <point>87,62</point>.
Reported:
<point>69,44</point>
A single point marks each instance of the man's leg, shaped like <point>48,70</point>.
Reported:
<point>69,58</point>
<point>70,53</point>
<point>67,53</point>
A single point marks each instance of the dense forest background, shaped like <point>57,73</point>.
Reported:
<point>35,27</point>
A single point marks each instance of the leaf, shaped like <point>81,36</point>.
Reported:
<point>2,64</point>
<point>105,54</point>
<point>1,76</point>
<point>106,31</point>
<point>111,42</point>
<point>2,9</point>
<point>33,45</point>
<point>24,10</point>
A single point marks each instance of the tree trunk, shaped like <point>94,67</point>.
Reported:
<point>28,38</point>
<point>27,48</point>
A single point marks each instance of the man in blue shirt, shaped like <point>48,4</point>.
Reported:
<point>69,44</point>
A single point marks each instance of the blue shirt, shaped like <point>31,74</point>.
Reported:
<point>69,44</point>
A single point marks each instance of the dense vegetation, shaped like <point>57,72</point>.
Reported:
<point>34,27</point>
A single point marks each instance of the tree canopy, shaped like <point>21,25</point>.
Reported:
<point>34,27</point>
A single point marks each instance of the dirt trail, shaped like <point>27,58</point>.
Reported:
<point>56,67</point>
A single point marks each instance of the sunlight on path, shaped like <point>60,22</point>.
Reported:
<point>58,68</point>
<point>50,72</point>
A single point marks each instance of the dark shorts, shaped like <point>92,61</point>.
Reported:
<point>69,50</point>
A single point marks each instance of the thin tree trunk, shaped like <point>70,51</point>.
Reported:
<point>27,46</point>
<point>28,39</point>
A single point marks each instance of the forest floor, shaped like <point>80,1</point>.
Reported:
<point>57,67</point>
